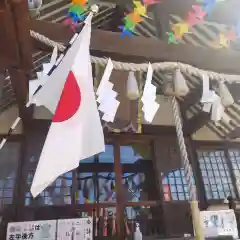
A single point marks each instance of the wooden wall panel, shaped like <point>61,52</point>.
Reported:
<point>177,218</point>
<point>9,54</point>
<point>167,159</point>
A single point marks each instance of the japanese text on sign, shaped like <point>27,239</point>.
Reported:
<point>44,230</point>
<point>75,229</point>
<point>221,222</point>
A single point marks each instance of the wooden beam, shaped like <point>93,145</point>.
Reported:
<point>234,89</point>
<point>22,25</point>
<point>142,49</point>
<point>161,22</point>
<point>19,74</point>
<point>191,99</point>
<point>234,134</point>
<point>2,81</point>
<point>195,123</point>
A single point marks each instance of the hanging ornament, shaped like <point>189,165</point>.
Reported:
<point>180,86</point>
<point>132,87</point>
<point>225,95</point>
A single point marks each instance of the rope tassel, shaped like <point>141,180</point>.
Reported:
<point>179,84</point>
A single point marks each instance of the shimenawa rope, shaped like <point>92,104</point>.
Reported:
<point>162,66</point>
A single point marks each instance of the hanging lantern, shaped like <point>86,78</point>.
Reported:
<point>34,7</point>
<point>180,86</point>
<point>225,95</point>
<point>132,87</point>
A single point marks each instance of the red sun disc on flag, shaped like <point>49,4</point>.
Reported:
<point>70,100</point>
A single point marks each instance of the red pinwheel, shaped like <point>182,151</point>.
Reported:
<point>150,2</point>
<point>199,12</point>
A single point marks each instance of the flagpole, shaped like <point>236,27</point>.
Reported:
<point>94,9</point>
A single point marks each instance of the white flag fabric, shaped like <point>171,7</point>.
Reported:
<point>57,79</point>
<point>76,132</point>
<point>41,76</point>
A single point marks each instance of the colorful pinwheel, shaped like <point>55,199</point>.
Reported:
<point>194,17</point>
<point>76,13</point>
<point>135,17</point>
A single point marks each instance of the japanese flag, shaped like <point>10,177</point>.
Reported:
<point>76,132</point>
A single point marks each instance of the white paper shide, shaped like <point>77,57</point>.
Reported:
<point>150,106</point>
<point>106,96</point>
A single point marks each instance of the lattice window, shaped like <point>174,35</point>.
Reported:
<point>175,186</point>
<point>97,186</point>
<point>9,156</point>
<point>215,174</point>
<point>133,187</point>
<point>106,187</point>
<point>58,193</point>
<point>234,156</point>
<point>86,188</point>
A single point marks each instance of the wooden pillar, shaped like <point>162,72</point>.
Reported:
<point>193,157</point>
<point>19,73</point>
<point>161,21</point>
<point>119,191</point>
<point>19,193</point>
<point>159,185</point>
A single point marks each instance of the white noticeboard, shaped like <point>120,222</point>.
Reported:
<point>36,230</point>
<point>219,223</point>
<point>75,229</point>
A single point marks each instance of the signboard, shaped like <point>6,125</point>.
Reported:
<point>75,229</point>
<point>37,230</point>
<point>219,223</point>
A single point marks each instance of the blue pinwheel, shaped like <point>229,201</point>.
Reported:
<point>238,29</point>
<point>125,32</point>
<point>209,5</point>
<point>75,17</point>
